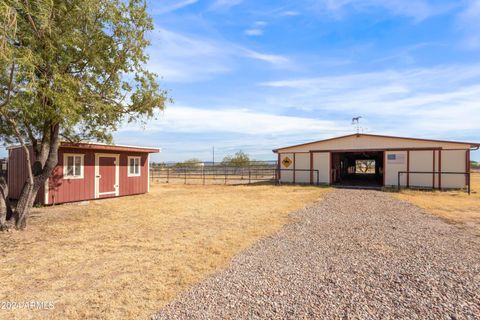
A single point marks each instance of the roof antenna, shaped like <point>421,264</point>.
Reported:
<point>356,122</point>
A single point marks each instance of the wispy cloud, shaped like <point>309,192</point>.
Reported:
<point>195,120</point>
<point>273,59</point>
<point>435,102</point>
<point>222,4</point>
<point>419,9</point>
<point>290,13</point>
<point>180,57</point>
<point>469,23</point>
<point>431,100</point>
<point>406,55</point>
<point>197,129</point>
<point>167,6</point>
<point>256,29</point>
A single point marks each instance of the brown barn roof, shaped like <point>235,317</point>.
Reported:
<point>472,144</point>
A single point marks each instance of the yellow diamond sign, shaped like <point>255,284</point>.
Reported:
<point>287,162</point>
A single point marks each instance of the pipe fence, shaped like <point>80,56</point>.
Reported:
<point>213,175</point>
<point>222,174</point>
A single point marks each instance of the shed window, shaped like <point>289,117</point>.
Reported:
<point>133,166</point>
<point>73,166</point>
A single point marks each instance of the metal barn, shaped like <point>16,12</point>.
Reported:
<point>408,162</point>
<point>86,171</point>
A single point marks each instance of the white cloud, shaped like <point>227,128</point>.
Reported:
<point>273,59</point>
<point>469,22</point>
<point>229,130</point>
<point>254,32</point>
<point>242,121</point>
<point>418,9</point>
<point>290,13</point>
<point>430,100</point>
<point>256,29</point>
<point>438,102</point>
<point>180,57</point>
<point>166,6</point>
<point>226,3</point>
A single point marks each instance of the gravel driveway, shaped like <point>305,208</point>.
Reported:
<point>357,254</point>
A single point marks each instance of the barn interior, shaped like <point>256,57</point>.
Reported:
<point>360,169</point>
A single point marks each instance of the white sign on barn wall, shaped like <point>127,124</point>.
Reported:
<point>396,158</point>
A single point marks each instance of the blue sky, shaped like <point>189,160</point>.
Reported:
<point>255,75</point>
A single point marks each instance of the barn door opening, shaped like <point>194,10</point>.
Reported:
<point>106,175</point>
<point>364,169</point>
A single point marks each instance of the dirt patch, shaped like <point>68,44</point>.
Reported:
<point>458,207</point>
<point>123,258</point>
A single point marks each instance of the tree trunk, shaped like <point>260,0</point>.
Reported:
<point>41,174</point>
<point>3,204</point>
<point>25,203</point>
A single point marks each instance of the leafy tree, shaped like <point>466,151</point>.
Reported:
<point>475,164</point>
<point>240,159</point>
<point>70,69</point>
<point>366,166</point>
<point>189,163</point>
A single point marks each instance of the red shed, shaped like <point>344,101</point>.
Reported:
<point>86,171</point>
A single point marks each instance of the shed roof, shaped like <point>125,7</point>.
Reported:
<point>471,144</point>
<point>103,147</point>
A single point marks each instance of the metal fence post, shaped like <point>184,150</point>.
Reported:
<point>185,170</point>
<point>168,174</point>
<point>249,175</point>
<point>468,179</point>
<point>203,175</point>
<point>225,171</point>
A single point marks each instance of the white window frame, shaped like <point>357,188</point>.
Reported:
<point>65,164</point>
<point>139,166</point>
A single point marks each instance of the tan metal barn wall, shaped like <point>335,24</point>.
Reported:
<point>392,167</point>
<point>302,168</point>
<point>413,155</point>
<point>421,161</point>
<point>321,162</point>
<point>428,161</point>
<point>301,165</point>
<point>453,161</point>
<point>286,175</point>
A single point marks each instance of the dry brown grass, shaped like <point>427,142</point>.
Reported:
<point>454,206</point>
<point>124,258</point>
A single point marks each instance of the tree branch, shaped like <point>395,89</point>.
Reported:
<point>30,19</point>
<point>10,86</point>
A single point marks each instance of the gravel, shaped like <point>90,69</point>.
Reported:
<point>358,254</point>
